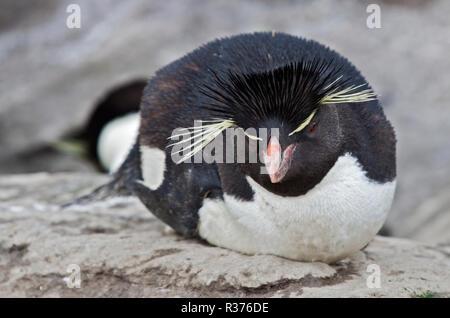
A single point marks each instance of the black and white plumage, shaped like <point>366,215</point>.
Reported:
<point>331,170</point>
<point>112,127</point>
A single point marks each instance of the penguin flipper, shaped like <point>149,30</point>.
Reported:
<point>177,200</point>
<point>105,191</point>
<point>118,186</point>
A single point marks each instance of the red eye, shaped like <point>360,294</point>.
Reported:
<point>311,129</point>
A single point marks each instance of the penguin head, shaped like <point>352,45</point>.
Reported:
<point>298,107</point>
<point>292,163</point>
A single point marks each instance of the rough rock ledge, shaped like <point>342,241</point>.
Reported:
<point>123,251</point>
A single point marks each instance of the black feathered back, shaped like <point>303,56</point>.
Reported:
<point>223,70</point>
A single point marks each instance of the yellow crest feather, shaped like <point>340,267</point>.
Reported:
<point>345,96</point>
<point>305,123</point>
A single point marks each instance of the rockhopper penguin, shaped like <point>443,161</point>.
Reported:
<point>327,178</point>
<point>112,127</point>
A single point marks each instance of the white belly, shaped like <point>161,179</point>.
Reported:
<point>116,140</point>
<point>339,216</point>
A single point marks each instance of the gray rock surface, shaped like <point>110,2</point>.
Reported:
<point>122,250</point>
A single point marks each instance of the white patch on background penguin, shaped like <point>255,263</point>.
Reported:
<point>339,216</point>
<point>116,140</point>
<point>153,165</point>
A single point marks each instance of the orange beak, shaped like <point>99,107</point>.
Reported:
<point>276,165</point>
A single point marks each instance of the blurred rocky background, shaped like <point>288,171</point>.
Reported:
<point>52,78</point>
